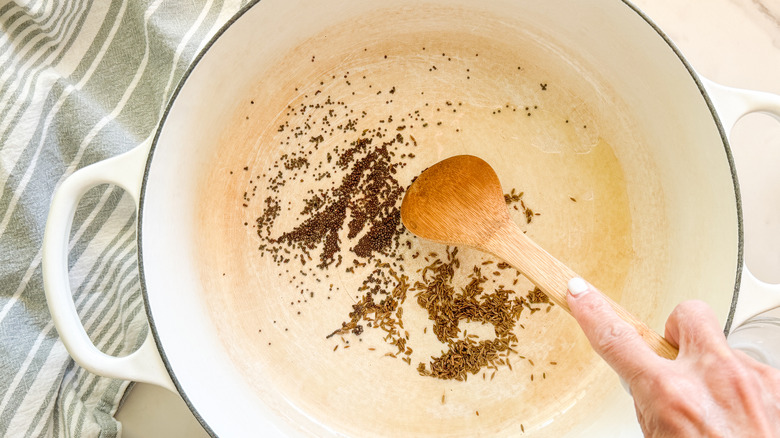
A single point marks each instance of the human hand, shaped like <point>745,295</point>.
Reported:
<point>710,390</point>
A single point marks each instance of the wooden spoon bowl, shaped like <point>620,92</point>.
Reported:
<point>459,201</point>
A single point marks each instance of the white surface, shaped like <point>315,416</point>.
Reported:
<point>734,42</point>
<point>144,364</point>
<point>755,295</point>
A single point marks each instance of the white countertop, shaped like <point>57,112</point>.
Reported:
<point>733,42</point>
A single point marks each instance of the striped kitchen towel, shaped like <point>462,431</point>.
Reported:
<point>80,81</point>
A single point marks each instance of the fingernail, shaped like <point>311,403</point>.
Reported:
<point>578,286</point>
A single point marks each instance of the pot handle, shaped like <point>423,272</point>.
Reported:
<point>731,104</point>
<point>144,364</point>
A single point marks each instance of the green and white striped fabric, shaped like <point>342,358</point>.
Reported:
<point>80,81</point>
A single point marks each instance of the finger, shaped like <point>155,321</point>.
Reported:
<point>694,328</point>
<point>615,340</point>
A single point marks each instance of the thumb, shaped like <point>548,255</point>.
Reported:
<point>615,340</point>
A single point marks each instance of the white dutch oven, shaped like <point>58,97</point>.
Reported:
<point>657,219</point>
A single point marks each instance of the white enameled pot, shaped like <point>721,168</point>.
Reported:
<point>657,128</point>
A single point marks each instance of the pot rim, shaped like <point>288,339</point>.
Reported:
<point>250,5</point>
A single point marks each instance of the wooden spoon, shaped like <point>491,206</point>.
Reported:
<point>459,201</point>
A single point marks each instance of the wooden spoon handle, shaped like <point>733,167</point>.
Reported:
<point>552,277</point>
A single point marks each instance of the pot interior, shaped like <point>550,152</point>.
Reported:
<point>269,221</point>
